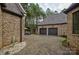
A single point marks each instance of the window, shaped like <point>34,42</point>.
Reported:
<point>76,22</point>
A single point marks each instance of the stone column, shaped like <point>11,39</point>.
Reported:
<point>0,27</point>
<point>38,30</point>
<point>47,31</point>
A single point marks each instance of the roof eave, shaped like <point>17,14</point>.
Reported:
<point>3,4</point>
<point>11,12</point>
<point>52,24</point>
<point>72,6</point>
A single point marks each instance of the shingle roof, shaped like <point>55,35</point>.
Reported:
<point>2,4</point>
<point>72,6</point>
<point>54,19</point>
<point>15,8</point>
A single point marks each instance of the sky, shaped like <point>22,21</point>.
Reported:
<point>54,6</point>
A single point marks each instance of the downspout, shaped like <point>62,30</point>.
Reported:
<point>23,26</point>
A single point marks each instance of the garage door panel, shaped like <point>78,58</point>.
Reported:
<point>52,31</point>
<point>43,31</point>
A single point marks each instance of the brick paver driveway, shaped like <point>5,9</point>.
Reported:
<point>44,45</point>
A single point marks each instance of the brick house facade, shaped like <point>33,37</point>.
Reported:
<point>54,24</point>
<point>61,28</point>
<point>73,38</point>
<point>11,26</point>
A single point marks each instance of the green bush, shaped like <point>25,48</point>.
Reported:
<point>65,43</point>
<point>64,36</point>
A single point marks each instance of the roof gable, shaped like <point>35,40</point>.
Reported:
<point>72,6</point>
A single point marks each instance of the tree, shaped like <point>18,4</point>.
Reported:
<point>33,12</point>
<point>49,12</point>
<point>63,10</point>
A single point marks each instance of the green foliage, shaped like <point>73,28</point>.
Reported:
<point>64,36</point>
<point>7,53</point>
<point>65,43</point>
<point>49,12</point>
<point>63,10</point>
<point>33,12</point>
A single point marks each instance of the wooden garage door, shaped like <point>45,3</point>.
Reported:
<point>52,31</point>
<point>43,31</point>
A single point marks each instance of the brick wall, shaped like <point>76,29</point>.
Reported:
<point>10,29</point>
<point>61,28</point>
<point>0,27</point>
<point>73,38</point>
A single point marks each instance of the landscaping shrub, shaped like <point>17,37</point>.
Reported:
<point>64,36</point>
<point>7,53</point>
<point>65,43</point>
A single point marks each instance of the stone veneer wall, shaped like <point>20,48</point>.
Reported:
<point>73,38</point>
<point>61,28</point>
<point>9,28</point>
